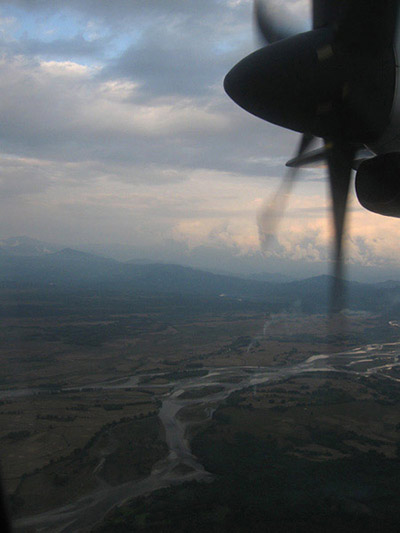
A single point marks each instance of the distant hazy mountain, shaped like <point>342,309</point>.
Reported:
<point>25,246</point>
<point>28,261</point>
<point>62,267</point>
<point>389,284</point>
<point>68,267</point>
<point>71,267</point>
<point>142,262</point>
<point>270,276</point>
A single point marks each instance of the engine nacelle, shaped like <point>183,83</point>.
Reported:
<point>378,184</point>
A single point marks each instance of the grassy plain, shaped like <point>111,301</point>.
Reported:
<point>41,429</point>
<point>56,442</point>
<point>59,337</point>
<point>119,452</point>
<point>308,454</point>
<point>317,416</point>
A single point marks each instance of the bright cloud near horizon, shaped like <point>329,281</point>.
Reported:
<point>116,129</point>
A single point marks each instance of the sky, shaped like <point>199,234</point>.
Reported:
<point>115,129</point>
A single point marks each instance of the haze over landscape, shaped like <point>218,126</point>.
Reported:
<point>126,385</point>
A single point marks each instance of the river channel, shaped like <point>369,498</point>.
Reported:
<point>181,465</point>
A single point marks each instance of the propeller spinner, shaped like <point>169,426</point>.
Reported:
<point>329,82</point>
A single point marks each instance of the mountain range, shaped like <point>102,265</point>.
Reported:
<point>27,261</point>
<point>26,246</point>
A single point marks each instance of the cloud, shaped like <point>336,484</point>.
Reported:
<point>23,176</point>
<point>76,47</point>
<point>64,110</point>
<point>115,127</point>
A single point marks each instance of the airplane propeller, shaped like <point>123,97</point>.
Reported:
<point>332,83</point>
<point>271,213</point>
<point>340,158</point>
<point>274,22</point>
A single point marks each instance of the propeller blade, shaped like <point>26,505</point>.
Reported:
<point>271,213</point>
<point>274,22</point>
<point>340,158</point>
